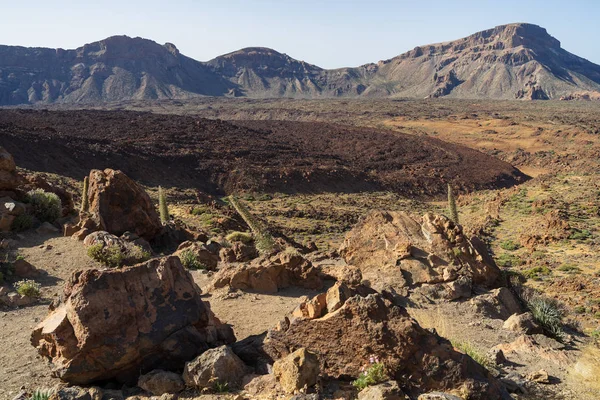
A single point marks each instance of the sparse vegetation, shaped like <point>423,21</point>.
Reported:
<point>471,351</point>
<point>263,239</point>
<point>28,288</point>
<point>85,203</point>
<point>371,374</point>
<point>163,206</point>
<point>114,256</point>
<point>111,256</point>
<point>46,206</point>
<point>537,273</point>
<point>190,260</point>
<point>22,223</point>
<point>509,245</point>
<point>549,313</point>
<point>452,205</point>
<point>221,387</point>
<point>41,394</point>
<point>508,260</point>
<point>569,268</point>
<point>243,237</point>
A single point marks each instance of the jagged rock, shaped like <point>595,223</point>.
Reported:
<point>497,356</point>
<point>215,365</point>
<point>70,230</point>
<point>114,324</point>
<point>522,323</point>
<point>202,253</point>
<point>311,308</point>
<point>383,391</point>
<point>81,234</point>
<point>396,252</point>
<point>267,275</point>
<point>23,269</point>
<point>298,370</point>
<point>498,303</point>
<point>8,171</point>
<point>118,204</point>
<point>345,339</point>
<point>337,295</point>
<point>159,382</point>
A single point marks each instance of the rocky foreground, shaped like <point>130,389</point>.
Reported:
<point>137,325</point>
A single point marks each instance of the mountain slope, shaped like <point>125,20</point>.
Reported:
<point>515,61</point>
<point>114,69</point>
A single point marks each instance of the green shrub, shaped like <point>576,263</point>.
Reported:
<point>41,394</point>
<point>510,245</point>
<point>189,260</point>
<point>28,288</point>
<point>537,273</point>
<point>548,313</point>
<point>471,351</point>
<point>135,255</point>
<point>569,268</point>
<point>22,223</point>
<point>580,310</point>
<point>221,387</point>
<point>508,260</point>
<point>46,206</point>
<point>371,375</point>
<point>111,256</point>
<point>580,234</point>
<point>243,237</point>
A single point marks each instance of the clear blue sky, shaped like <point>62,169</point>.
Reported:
<point>328,33</point>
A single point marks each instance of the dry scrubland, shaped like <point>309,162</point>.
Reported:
<point>543,232</point>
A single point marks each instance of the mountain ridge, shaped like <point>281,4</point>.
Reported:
<point>512,61</point>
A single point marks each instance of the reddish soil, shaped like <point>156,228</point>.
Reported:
<point>263,156</point>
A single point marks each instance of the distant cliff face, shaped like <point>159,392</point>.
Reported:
<point>515,61</point>
<point>114,69</point>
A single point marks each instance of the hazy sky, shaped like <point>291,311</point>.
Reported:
<point>328,33</point>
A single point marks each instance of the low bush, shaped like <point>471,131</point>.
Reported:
<point>190,260</point>
<point>537,273</point>
<point>28,288</point>
<point>41,394</point>
<point>22,223</point>
<point>243,237</point>
<point>46,206</point>
<point>509,245</point>
<point>372,374</point>
<point>114,256</point>
<point>508,260</point>
<point>569,268</point>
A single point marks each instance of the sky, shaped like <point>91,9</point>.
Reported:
<point>327,33</point>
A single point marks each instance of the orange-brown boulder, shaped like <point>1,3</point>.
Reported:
<point>118,205</point>
<point>365,327</point>
<point>118,324</point>
<point>398,253</point>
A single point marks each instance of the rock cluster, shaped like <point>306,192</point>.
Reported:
<point>399,254</point>
<point>116,323</point>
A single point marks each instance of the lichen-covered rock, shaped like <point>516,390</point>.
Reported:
<point>116,324</point>
<point>118,204</point>
<point>267,275</point>
<point>298,370</point>
<point>397,253</point>
<point>215,365</point>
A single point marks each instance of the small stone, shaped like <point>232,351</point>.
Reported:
<point>522,323</point>
<point>159,382</point>
<point>382,391</point>
<point>540,376</point>
<point>497,356</point>
<point>298,370</point>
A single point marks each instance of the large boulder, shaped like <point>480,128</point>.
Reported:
<point>120,323</point>
<point>118,205</point>
<point>268,274</point>
<point>345,340</point>
<point>399,254</point>
<point>9,179</point>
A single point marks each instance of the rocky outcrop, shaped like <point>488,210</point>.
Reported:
<point>432,256</point>
<point>268,274</point>
<point>119,205</point>
<point>345,339</point>
<point>9,179</point>
<point>120,323</point>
